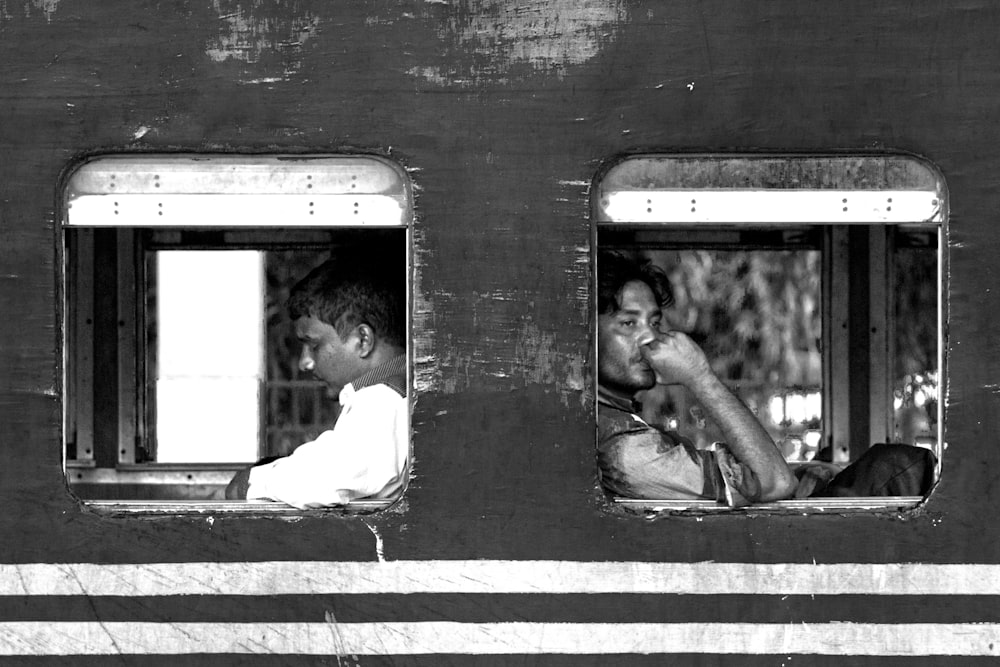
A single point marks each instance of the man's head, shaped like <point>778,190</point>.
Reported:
<point>349,313</point>
<point>630,299</point>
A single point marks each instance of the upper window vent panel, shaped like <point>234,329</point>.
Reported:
<point>177,190</point>
<point>744,189</point>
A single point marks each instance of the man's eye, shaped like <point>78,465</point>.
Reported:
<point>628,323</point>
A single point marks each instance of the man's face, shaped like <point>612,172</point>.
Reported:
<point>620,366</point>
<point>334,361</point>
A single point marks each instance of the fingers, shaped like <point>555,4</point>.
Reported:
<point>675,357</point>
<point>654,336</point>
<point>671,337</point>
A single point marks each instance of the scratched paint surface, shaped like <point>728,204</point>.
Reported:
<point>499,40</point>
<point>502,112</point>
<point>503,40</point>
<point>269,44</point>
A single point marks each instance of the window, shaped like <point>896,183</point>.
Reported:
<point>181,365</point>
<point>814,285</point>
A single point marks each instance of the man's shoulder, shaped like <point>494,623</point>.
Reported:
<point>639,460</point>
<point>619,427</point>
<point>612,420</point>
<point>392,388</point>
<point>395,383</point>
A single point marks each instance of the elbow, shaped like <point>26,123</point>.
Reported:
<point>782,486</point>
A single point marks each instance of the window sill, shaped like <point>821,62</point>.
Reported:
<point>238,508</point>
<point>155,473</point>
<point>800,506</point>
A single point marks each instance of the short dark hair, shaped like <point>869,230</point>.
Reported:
<point>614,270</point>
<point>354,288</point>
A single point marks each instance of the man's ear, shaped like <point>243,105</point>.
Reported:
<point>366,340</point>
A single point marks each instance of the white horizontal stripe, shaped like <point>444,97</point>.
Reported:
<point>491,576</point>
<point>243,210</point>
<point>771,206</point>
<point>45,638</point>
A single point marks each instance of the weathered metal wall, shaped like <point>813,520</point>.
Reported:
<point>503,111</point>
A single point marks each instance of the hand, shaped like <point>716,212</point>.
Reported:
<point>676,359</point>
<point>656,406</point>
<point>238,487</point>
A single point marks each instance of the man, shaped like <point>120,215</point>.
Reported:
<point>634,354</point>
<point>349,314</point>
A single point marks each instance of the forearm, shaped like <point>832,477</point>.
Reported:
<point>746,438</point>
<point>298,480</point>
<point>237,488</point>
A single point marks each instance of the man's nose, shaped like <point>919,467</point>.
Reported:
<point>646,336</point>
<point>306,362</point>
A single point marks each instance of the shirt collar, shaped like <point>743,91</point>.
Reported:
<point>605,397</point>
<point>381,373</point>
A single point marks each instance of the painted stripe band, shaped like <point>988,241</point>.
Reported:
<point>506,607</point>
<point>334,638</point>
<point>436,576</point>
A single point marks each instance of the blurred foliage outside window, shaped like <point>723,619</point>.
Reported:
<point>915,367</point>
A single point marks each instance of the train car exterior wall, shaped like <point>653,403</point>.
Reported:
<point>503,548</point>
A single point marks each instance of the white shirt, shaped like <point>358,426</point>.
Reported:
<point>364,456</point>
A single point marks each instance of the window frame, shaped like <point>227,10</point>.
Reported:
<point>134,195</point>
<point>709,196</point>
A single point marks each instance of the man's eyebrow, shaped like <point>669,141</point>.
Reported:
<point>636,311</point>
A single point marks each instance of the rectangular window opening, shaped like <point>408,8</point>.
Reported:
<point>182,362</point>
<point>814,287</point>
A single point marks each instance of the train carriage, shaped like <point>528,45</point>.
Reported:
<point>490,150</point>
